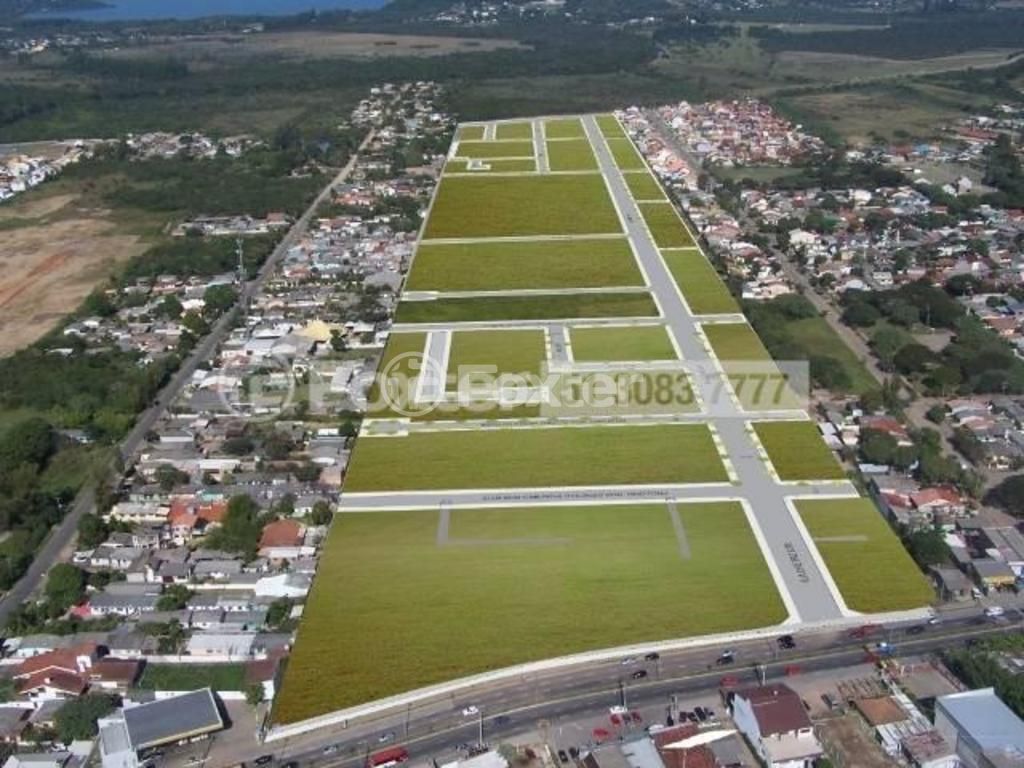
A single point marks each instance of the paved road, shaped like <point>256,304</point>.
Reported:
<point>59,541</point>
<point>435,727</point>
<point>810,596</point>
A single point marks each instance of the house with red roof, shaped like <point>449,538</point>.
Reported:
<point>284,540</point>
<point>69,672</point>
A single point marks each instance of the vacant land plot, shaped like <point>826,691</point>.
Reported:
<point>522,206</point>
<point>571,155</point>
<point>735,341</point>
<point>703,289</point>
<point>796,450</point>
<point>610,127</point>
<point>506,165</point>
<point>553,307</point>
<point>753,375</point>
<point>522,458</point>
<point>523,265</point>
<point>567,128</point>
<point>55,251</point>
<point>397,372</point>
<point>623,344</point>
<point>643,186</point>
<point>443,609</point>
<point>482,150</point>
<point>625,155</point>
<point>517,130</point>
<point>470,133</point>
<point>666,227</point>
<point>190,677</point>
<point>870,566</point>
<point>520,351</point>
<point>814,336</point>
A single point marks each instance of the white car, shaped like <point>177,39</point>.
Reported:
<point>994,611</point>
<point>629,660</point>
<point>470,711</point>
<point>618,710</point>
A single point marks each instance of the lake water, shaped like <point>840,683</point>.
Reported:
<point>122,10</point>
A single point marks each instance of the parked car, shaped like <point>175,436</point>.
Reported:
<point>264,759</point>
<point>786,642</point>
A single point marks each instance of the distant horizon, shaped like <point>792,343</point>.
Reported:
<point>152,10</point>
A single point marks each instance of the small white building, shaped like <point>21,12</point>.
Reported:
<point>775,722</point>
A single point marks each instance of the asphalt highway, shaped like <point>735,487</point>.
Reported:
<point>436,728</point>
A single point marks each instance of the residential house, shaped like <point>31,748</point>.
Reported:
<point>775,722</point>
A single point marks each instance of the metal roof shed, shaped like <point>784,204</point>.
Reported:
<point>174,719</point>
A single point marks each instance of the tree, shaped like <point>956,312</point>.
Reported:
<point>279,611</point>
<point>92,531</point>
<point>321,514</point>
<point>168,477</point>
<point>254,694</point>
<point>936,414</point>
<point>886,342</point>
<point>174,598</point>
<point>65,585</point>
<point>861,314</point>
<point>1008,495</point>
<point>878,447</point>
<point>927,547</point>
<point>240,529</point>
<point>76,720</point>
<point>29,441</point>
<point>170,307</point>
<point>338,343</point>
<point>239,446</point>
<point>914,358</point>
<point>218,299</point>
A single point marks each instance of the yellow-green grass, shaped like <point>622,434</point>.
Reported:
<point>391,610</point>
<point>868,563</point>
<point>483,150</point>
<point>524,458</point>
<point>517,130</point>
<point>666,227</point>
<point>621,344</point>
<point>625,155</point>
<point>735,341</point>
<point>643,186</point>
<point>492,266</point>
<point>700,284</point>
<point>564,128</point>
<point>815,336</point>
<point>610,127</point>
<point>506,165</point>
<point>399,367</point>
<point>534,307</point>
<point>754,377</point>
<point>797,451</point>
<point>466,206</point>
<point>470,133</point>
<point>571,155</point>
<point>518,351</point>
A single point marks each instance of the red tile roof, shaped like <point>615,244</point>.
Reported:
<point>61,659</point>
<point>281,533</point>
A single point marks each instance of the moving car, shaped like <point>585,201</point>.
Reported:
<point>726,657</point>
<point>639,674</point>
<point>470,711</point>
<point>653,656</point>
<point>786,642</point>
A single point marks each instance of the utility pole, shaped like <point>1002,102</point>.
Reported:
<point>480,723</point>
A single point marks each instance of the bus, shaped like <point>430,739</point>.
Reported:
<point>387,758</point>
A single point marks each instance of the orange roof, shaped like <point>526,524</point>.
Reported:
<point>67,682</point>
<point>942,495</point>
<point>59,659</point>
<point>213,512</point>
<point>281,533</point>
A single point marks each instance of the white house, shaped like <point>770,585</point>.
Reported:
<point>775,722</point>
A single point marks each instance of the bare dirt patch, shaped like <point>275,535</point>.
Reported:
<point>848,742</point>
<point>313,45</point>
<point>47,269</point>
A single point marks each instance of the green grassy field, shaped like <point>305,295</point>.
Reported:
<point>797,451</point>
<point>868,563</point>
<point>553,307</point>
<point>610,127</point>
<point>700,284</point>
<point>512,586</point>
<point>625,155</point>
<point>522,206</point>
<point>522,458</point>
<point>814,334</point>
<point>624,344</point>
<point>643,186</point>
<point>666,227</point>
<point>597,263</point>
<point>482,150</point>
<point>470,133</point>
<point>735,341</point>
<point>566,128</point>
<point>508,165</point>
<point>516,130</point>
<point>571,155</point>
<point>190,677</point>
<point>398,362</point>
<point>519,351</point>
